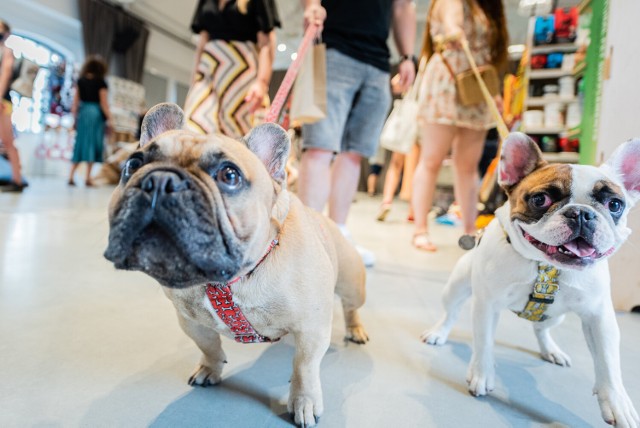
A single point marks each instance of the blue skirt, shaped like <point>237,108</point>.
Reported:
<point>89,133</point>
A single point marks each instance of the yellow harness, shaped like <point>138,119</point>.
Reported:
<point>544,292</point>
<point>544,289</point>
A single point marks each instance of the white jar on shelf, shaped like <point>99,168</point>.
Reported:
<point>574,115</point>
<point>567,86</point>
<point>553,115</point>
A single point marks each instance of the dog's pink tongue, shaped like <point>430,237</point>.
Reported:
<point>580,248</point>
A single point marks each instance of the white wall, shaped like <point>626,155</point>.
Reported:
<point>57,21</point>
<point>620,121</point>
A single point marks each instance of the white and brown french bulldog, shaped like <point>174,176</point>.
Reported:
<point>554,235</point>
<point>211,220</point>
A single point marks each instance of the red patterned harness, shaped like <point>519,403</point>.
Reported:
<point>221,298</point>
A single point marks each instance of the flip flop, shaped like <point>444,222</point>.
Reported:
<point>422,242</point>
<point>384,211</point>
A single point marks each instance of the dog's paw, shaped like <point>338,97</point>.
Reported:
<point>304,410</point>
<point>204,376</point>
<point>481,382</point>
<point>556,356</point>
<point>617,409</point>
<point>434,337</point>
<point>357,334</point>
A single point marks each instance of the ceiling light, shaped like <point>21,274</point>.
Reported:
<point>294,56</point>
<point>282,47</point>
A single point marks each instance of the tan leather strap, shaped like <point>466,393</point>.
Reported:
<point>491,102</point>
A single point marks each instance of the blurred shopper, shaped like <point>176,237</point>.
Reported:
<point>392,180</point>
<point>234,59</point>
<point>446,125</point>
<point>358,97</point>
<point>92,116</point>
<point>7,76</point>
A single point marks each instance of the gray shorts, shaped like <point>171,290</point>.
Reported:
<point>358,100</point>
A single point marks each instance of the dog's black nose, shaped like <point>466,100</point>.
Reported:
<point>164,182</point>
<point>583,215</point>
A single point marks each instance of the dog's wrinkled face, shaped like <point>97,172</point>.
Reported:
<point>192,209</point>
<point>569,215</point>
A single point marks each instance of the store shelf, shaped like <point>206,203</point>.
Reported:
<point>561,157</point>
<point>545,130</point>
<point>542,101</point>
<point>552,73</point>
<point>559,47</point>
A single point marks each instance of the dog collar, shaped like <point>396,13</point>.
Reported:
<point>543,295</point>
<point>221,298</point>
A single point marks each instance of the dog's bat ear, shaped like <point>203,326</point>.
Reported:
<point>271,143</point>
<point>624,163</point>
<point>519,157</point>
<point>160,118</point>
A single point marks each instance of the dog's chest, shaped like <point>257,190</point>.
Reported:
<point>236,310</point>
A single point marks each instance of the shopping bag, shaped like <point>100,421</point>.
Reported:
<point>401,128</point>
<point>309,95</point>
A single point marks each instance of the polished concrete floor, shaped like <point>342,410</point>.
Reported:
<point>83,345</point>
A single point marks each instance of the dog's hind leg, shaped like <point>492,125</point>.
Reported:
<point>549,350</point>
<point>209,370</point>
<point>456,292</point>
<point>350,287</point>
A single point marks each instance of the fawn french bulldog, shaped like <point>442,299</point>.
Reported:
<point>211,220</point>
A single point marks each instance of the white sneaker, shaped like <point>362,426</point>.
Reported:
<point>368,258</point>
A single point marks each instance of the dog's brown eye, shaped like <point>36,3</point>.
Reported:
<point>540,200</point>
<point>229,176</point>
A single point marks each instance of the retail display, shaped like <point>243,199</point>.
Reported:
<point>126,101</point>
<point>552,105</point>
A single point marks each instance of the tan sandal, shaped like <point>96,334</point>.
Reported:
<point>422,242</point>
<point>384,212</point>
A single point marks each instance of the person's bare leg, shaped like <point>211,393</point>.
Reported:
<point>466,154</point>
<point>372,180</point>
<point>74,168</point>
<point>314,181</point>
<point>392,178</point>
<point>89,168</point>
<point>436,144</point>
<point>6,135</point>
<point>345,174</point>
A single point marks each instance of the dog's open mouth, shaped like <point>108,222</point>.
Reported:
<point>577,250</point>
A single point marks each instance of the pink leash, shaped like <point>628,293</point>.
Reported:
<point>290,77</point>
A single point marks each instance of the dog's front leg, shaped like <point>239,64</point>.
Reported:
<point>305,394</point>
<point>209,370</point>
<point>481,373</point>
<point>549,350</point>
<point>603,337</point>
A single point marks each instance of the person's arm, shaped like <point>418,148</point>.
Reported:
<point>314,13</point>
<point>104,105</point>
<point>266,54</point>
<point>202,41</point>
<point>6,71</point>
<point>404,34</point>
<point>75,105</point>
<point>451,13</point>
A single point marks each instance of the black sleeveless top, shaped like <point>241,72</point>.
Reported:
<point>230,24</point>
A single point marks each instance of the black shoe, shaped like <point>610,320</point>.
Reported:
<point>14,187</point>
